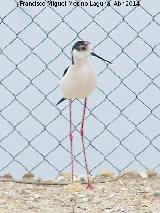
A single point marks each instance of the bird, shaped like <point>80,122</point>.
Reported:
<point>79,81</point>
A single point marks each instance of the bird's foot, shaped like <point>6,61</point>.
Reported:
<point>89,186</point>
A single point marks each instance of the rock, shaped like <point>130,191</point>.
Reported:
<point>50,181</point>
<point>7,176</point>
<point>143,174</point>
<point>108,174</point>
<point>68,199</point>
<point>104,176</point>
<point>28,176</point>
<point>67,177</point>
<point>85,199</point>
<point>131,174</point>
<point>152,174</point>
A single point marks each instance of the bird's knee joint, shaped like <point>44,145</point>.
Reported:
<point>71,137</point>
<point>81,132</point>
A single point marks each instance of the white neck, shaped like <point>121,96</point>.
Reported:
<point>80,61</point>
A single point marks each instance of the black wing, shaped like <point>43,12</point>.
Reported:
<point>65,71</point>
<point>63,99</point>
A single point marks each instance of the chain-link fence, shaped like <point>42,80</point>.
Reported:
<point>124,112</point>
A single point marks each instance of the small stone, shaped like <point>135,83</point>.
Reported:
<point>68,199</point>
<point>60,179</point>
<point>36,196</point>
<point>73,187</point>
<point>28,191</point>
<point>81,206</point>
<point>85,199</point>
<point>156,194</point>
<point>101,188</point>
<point>22,191</point>
<point>143,174</point>
<point>32,206</point>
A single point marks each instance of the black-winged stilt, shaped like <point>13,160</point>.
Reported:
<point>79,81</point>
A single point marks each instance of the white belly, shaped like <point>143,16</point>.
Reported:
<point>78,83</point>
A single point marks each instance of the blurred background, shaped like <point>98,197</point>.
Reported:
<point>123,116</point>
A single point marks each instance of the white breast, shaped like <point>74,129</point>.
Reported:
<point>78,82</point>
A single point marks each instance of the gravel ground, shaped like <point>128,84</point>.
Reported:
<point>132,192</point>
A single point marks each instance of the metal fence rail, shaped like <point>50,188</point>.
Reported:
<point>124,112</point>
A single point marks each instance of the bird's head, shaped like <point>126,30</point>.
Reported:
<point>82,50</point>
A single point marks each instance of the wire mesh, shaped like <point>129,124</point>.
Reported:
<point>124,111</point>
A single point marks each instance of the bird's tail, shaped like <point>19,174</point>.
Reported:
<point>61,100</point>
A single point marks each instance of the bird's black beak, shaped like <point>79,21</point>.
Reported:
<point>97,56</point>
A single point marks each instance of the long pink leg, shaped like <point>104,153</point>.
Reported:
<point>89,185</point>
<point>70,134</point>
